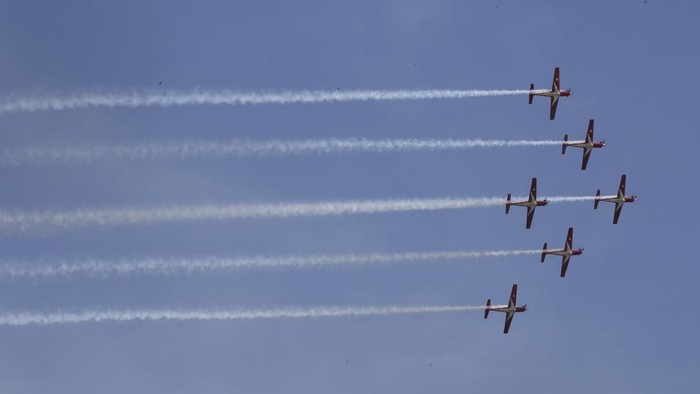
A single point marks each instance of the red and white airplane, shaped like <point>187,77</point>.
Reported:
<point>565,253</point>
<point>553,94</point>
<point>619,200</point>
<point>531,203</point>
<point>588,145</point>
<point>510,310</point>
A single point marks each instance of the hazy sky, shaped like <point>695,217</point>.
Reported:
<point>618,322</point>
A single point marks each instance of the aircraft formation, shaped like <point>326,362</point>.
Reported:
<point>532,202</point>
<point>81,218</point>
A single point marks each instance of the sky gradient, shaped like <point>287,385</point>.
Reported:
<point>617,323</point>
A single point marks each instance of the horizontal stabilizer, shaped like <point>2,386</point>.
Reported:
<point>596,201</point>
<point>544,252</point>
<point>508,203</point>
<point>488,306</point>
<point>532,88</point>
<point>563,146</point>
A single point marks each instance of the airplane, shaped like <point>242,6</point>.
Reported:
<point>554,94</point>
<point>619,200</point>
<point>510,310</point>
<point>565,253</point>
<point>531,203</point>
<point>588,145</point>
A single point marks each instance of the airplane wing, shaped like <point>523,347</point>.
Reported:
<point>555,81</point>
<point>564,265</point>
<point>570,239</point>
<point>509,319</point>
<point>553,107</point>
<point>589,134</point>
<point>530,215</point>
<point>512,302</point>
<point>586,156</point>
<point>621,190</point>
<point>533,190</point>
<point>618,209</point>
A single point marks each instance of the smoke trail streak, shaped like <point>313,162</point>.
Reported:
<point>97,316</point>
<point>18,221</point>
<point>242,148</point>
<point>574,198</point>
<point>159,266</point>
<point>46,221</point>
<point>229,97</point>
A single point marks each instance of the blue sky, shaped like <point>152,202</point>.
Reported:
<point>618,322</point>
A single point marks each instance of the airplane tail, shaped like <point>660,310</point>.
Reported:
<point>486,312</point>
<point>508,203</point>
<point>532,87</point>
<point>544,252</point>
<point>595,203</point>
<point>563,146</point>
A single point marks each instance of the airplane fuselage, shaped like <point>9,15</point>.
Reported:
<point>507,309</point>
<point>532,203</point>
<point>554,93</point>
<point>618,199</point>
<point>565,252</point>
<point>584,144</point>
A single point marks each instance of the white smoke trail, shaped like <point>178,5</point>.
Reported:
<point>47,221</point>
<point>159,266</point>
<point>574,198</point>
<point>229,97</point>
<point>31,221</point>
<point>242,148</point>
<point>97,316</point>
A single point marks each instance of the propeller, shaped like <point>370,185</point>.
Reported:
<point>525,306</point>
